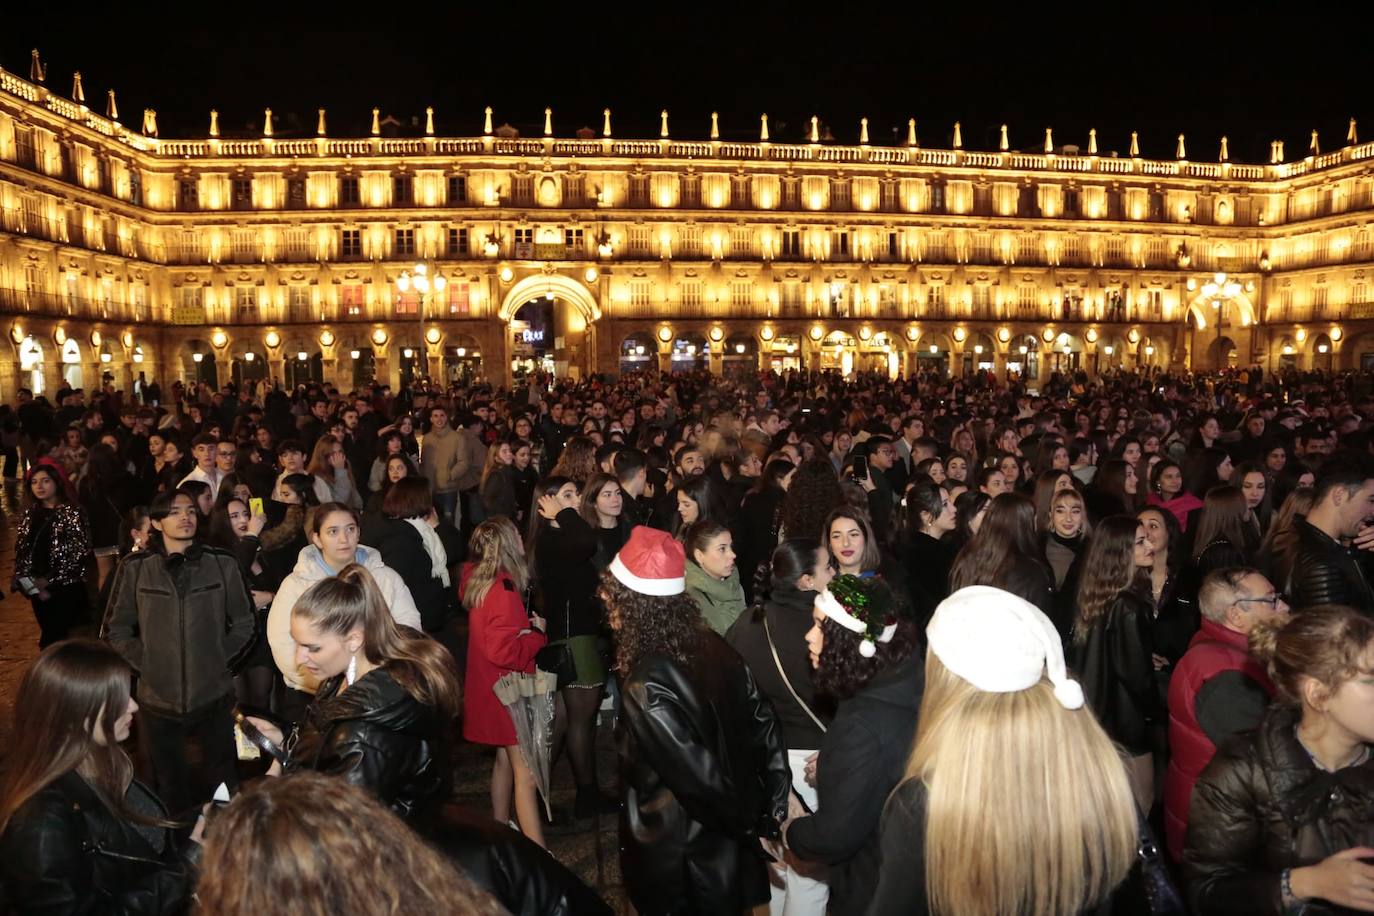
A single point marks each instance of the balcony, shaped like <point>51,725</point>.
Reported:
<point>60,305</point>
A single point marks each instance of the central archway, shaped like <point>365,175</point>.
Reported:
<point>539,285</point>
<point>1201,310</point>
<point>569,340</point>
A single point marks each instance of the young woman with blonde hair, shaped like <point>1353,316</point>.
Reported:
<point>1054,830</point>
<point>497,485</point>
<point>503,637</point>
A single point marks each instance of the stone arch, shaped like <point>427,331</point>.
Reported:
<point>1201,310</point>
<point>536,285</point>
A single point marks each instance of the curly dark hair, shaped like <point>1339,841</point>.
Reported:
<point>843,671</point>
<point>649,624</point>
<point>814,491</point>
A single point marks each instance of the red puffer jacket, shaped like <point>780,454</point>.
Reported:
<point>1213,651</point>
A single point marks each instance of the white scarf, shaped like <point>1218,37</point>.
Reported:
<point>438,557</point>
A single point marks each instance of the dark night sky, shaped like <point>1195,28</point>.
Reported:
<point>1185,70</point>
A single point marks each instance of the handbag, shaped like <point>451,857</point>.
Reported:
<point>557,658</point>
<point>1151,889</point>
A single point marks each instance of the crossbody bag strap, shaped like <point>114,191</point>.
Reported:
<point>786,682</point>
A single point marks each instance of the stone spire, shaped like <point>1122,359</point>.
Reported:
<point>37,72</point>
<point>486,123</point>
<point>663,124</point>
<point>429,120</point>
<point>214,123</point>
<point>267,123</point>
<point>815,129</point>
<point>319,126</point>
<point>763,128</point>
<point>1282,154</point>
<point>715,125</point>
<point>863,131</point>
<point>1003,143</point>
<point>605,122</point>
<point>1092,142</point>
<point>548,122</point>
<point>78,91</point>
<point>111,107</point>
<point>1181,152</point>
<point>376,122</point>
<point>1314,148</point>
<point>911,132</point>
<point>1135,145</point>
<point>1350,136</point>
<point>1225,153</point>
<point>1049,140</point>
<point>958,136</point>
<point>150,122</point>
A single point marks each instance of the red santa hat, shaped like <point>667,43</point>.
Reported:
<point>651,563</point>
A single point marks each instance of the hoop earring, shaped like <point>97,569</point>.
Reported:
<point>351,674</point>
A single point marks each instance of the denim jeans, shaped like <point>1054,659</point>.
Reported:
<point>446,503</point>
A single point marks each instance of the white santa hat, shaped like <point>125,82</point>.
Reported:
<point>1000,643</point>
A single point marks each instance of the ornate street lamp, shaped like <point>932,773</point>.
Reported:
<point>423,280</point>
<point>1220,289</point>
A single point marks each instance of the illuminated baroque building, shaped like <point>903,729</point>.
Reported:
<point>296,258</point>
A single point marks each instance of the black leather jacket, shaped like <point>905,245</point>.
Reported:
<point>526,879</point>
<point>65,852</point>
<point>1324,572</point>
<point>1113,663</point>
<point>705,775</point>
<point>376,736</point>
<point>1262,806</point>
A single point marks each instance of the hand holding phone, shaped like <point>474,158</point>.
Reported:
<point>860,471</point>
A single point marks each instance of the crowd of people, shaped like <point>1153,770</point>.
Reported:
<point>944,645</point>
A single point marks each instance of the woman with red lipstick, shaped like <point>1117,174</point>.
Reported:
<point>853,547</point>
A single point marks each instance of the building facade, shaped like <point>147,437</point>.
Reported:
<point>347,259</point>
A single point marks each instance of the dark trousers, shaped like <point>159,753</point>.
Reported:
<point>190,755</point>
<point>66,606</point>
<point>10,457</point>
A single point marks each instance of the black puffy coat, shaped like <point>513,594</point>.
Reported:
<point>705,775</point>
<point>65,852</point>
<point>1324,572</point>
<point>862,759</point>
<point>378,737</point>
<point>1262,806</point>
<point>1114,665</point>
<point>525,878</point>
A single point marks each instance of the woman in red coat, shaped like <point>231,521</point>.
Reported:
<point>502,637</point>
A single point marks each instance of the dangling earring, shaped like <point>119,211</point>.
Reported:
<point>351,674</point>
